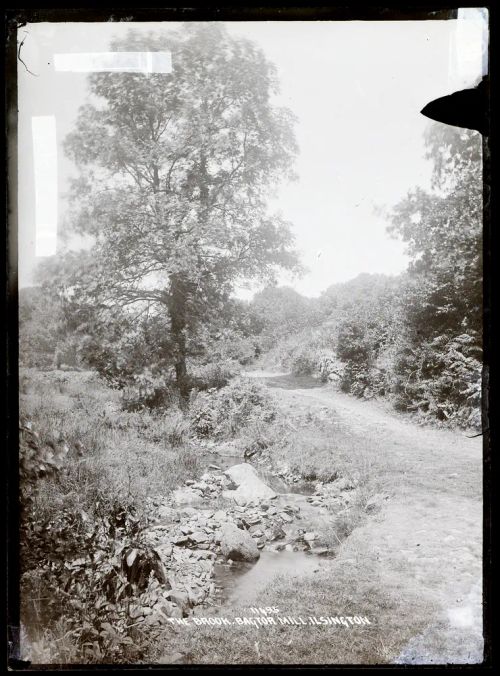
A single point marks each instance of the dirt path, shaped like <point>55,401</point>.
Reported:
<point>425,546</point>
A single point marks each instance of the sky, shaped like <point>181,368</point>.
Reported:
<point>356,88</point>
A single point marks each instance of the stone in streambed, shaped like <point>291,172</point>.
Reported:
<point>249,487</point>
<point>180,598</point>
<point>185,496</point>
<point>237,544</point>
<point>275,532</point>
<point>198,537</point>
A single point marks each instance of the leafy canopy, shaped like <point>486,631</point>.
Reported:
<point>175,173</point>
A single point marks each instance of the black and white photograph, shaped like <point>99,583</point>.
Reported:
<point>250,340</point>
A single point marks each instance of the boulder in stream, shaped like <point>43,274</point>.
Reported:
<point>237,544</point>
<point>249,487</point>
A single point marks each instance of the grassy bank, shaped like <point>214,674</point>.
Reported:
<point>127,455</point>
<point>76,520</point>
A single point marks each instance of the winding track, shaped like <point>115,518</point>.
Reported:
<point>425,546</point>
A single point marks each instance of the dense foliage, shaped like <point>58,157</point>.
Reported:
<point>415,338</point>
<point>439,363</point>
<point>85,570</point>
<point>224,413</point>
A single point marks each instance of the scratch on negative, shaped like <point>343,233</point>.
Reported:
<point>19,55</point>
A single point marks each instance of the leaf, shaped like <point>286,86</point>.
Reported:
<point>131,557</point>
<point>106,626</point>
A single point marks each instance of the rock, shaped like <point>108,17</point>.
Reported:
<point>189,511</point>
<point>198,537</point>
<point>286,517</point>
<point>249,486</point>
<point>167,514</point>
<point>165,607</point>
<point>310,536</point>
<point>180,598</point>
<point>220,515</point>
<point>216,467</point>
<point>164,550</point>
<point>275,532</point>
<point>301,547</point>
<point>196,596</point>
<point>189,482</point>
<point>185,496</point>
<point>200,486</point>
<point>237,544</point>
<point>257,534</point>
<point>252,520</point>
<point>181,540</point>
<point>135,612</point>
<point>239,499</point>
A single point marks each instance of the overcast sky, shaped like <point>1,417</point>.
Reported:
<point>356,89</point>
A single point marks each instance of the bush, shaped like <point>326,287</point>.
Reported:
<point>213,376</point>
<point>223,413</point>
<point>148,390</point>
<point>302,363</point>
<point>442,380</point>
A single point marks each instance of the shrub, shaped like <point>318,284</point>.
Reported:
<point>442,380</point>
<point>147,390</point>
<point>302,362</point>
<point>210,376</point>
<point>223,413</point>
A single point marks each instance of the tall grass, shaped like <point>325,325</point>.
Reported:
<point>116,460</point>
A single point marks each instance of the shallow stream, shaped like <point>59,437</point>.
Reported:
<point>241,582</point>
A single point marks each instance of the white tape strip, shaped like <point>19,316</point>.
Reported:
<point>469,45</point>
<point>111,62</point>
<point>45,169</point>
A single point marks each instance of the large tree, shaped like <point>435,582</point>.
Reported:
<point>175,173</point>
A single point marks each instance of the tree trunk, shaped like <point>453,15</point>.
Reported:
<point>181,288</point>
<point>178,309</point>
